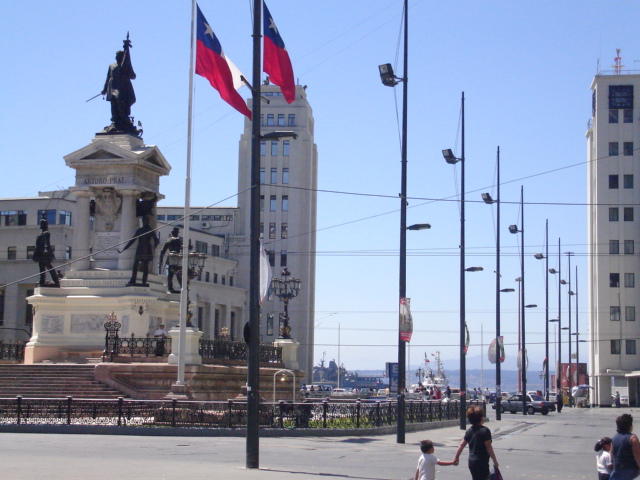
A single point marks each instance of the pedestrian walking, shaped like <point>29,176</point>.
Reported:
<point>427,462</point>
<point>603,458</point>
<point>616,399</point>
<point>559,401</point>
<point>478,437</point>
<point>625,450</point>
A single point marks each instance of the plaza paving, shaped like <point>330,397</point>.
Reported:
<point>556,446</point>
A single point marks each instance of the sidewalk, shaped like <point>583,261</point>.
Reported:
<point>553,446</point>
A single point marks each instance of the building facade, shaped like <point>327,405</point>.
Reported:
<point>613,138</point>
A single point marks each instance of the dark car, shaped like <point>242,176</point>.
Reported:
<point>535,403</point>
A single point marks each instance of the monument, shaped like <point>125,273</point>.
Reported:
<point>116,188</point>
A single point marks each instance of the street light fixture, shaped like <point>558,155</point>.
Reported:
<point>419,226</point>
<point>474,269</point>
<point>451,159</point>
<point>285,288</point>
<point>390,80</point>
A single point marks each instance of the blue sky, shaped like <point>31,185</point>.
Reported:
<point>525,68</point>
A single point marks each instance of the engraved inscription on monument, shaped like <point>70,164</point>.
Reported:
<point>106,240</point>
<point>51,324</point>
<point>87,323</point>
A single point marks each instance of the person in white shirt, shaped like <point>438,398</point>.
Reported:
<point>427,462</point>
<point>603,458</point>
<point>160,334</point>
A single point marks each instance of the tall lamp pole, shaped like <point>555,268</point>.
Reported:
<point>540,256</point>
<point>553,271</point>
<point>570,373</point>
<point>452,159</point>
<point>390,80</point>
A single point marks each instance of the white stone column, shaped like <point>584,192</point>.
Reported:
<point>81,232</point>
<point>128,226</point>
<point>192,346</point>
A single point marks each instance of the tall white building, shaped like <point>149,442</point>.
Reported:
<point>289,181</point>
<point>613,139</point>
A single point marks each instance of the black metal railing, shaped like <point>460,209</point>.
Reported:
<point>223,348</point>
<point>12,351</point>
<point>145,346</point>
<point>230,414</point>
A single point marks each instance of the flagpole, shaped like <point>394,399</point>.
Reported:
<point>185,235</point>
<point>253,357</point>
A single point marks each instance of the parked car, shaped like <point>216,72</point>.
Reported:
<point>624,401</point>
<point>535,403</point>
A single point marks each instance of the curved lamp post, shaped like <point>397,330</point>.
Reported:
<point>285,289</point>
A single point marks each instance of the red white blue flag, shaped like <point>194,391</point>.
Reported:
<point>212,64</point>
<point>276,58</point>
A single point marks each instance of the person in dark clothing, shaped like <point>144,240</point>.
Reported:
<point>147,242</point>
<point>43,254</point>
<point>625,451</point>
<point>559,401</point>
<point>478,437</point>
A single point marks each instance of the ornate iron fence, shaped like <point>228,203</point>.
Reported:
<point>231,414</point>
<point>223,348</point>
<point>143,346</point>
<point>11,351</point>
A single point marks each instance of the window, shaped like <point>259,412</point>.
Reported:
<point>630,314</point>
<point>223,279</point>
<point>613,181</point>
<point>230,281</point>
<point>281,120</point>
<point>620,96</point>
<point>261,229</point>
<point>285,203</point>
<point>262,119</point>
<point>629,280</point>
<point>272,259</point>
<point>613,149</point>
<point>262,205</point>
<point>274,148</point>
<point>283,258</point>
<point>161,217</point>
<point>17,217</point>
<point>67,253</point>
<point>269,324</point>
<point>285,176</point>
<point>1,307</point>
<point>215,278</point>
<point>64,217</point>
<point>627,149</point>
<point>615,347</point>
<point>613,214</point>
<point>215,250</point>
<point>292,120</point>
<point>272,230</point>
<point>286,144</point>
<point>272,203</point>
<point>174,217</point>
<point>263,149</point>
<point>49,215</point>
<point>262,176</point>
<point>630,347</point>
<point>614,313</point>
<point>614,280</point>
<point>202,247</point>
<point>284,230</point>
<point>614,247</point>
<point>628,181</point>
<point>30,250</point>
<point>613,116</point>
<point>206,277</point>
<point>628,115</point>
<point>12,253</point>
<point>628,214</point>
<point>274,175</point>
<point>629,247</point>
<point>270,119</point>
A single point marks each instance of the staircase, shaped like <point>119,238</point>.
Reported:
<point>53,381</point>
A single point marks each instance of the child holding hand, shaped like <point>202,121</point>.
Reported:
<point>427,462</point>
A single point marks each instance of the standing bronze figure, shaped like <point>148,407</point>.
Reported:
<point>43,254</point>
<point>174,245</point>
<point>147,242</point>
<point>119,91</point>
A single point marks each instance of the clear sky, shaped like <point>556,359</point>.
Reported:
<point>525,69</point>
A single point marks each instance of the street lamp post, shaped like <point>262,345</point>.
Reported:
<point>553,271</point>
<point>390,80</point>
<point>570,373</point>
<point>523,350</point>
<point>540,256</point>
<point>285,288</point>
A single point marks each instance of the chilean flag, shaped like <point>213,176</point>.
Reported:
<point>276,59</point>
<point>212,64</point>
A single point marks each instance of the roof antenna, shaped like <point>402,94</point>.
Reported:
<point>618,66</point>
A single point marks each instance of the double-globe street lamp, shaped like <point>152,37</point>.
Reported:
<point>195,265</point>
<point>285,289</point>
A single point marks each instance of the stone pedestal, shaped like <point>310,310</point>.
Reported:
<point>192,346</point>
<point>289,352</point>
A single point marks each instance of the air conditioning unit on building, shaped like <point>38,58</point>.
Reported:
<point>206,225</point>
